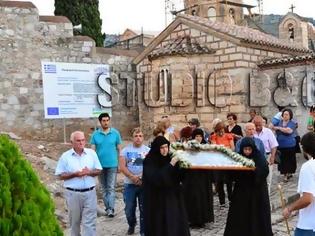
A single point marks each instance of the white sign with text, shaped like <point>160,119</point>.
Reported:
<point>72,90</point>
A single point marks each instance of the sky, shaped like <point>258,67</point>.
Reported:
<point>149,15</point>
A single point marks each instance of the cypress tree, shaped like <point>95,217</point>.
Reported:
<point>84,12</point>
<point>26,207</point>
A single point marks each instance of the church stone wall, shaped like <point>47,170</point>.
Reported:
<point>222,10</point>
<point>204,86</point>
<point>27,38</point>
<point>301,30</point>
<point>288,86</point>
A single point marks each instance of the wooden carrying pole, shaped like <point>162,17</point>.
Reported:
<point>283,206</point>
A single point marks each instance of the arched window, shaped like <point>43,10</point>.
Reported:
<point>291,32</point>
<point>231,16</point>
<point>165,85</point>
<point>212,13</point>
<point>193,12</point>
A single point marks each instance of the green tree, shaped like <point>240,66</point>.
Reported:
<point>84,12</point>
<point>26,207</point>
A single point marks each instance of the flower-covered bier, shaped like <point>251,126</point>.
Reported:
<point>183,162</point>
<point>178,150</point>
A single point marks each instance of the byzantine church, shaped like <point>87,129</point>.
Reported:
<point>218,57</point>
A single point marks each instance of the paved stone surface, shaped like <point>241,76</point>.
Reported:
<point>118,225</point>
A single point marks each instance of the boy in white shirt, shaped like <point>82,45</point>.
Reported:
<point>306,187</point>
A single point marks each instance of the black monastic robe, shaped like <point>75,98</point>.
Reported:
<point>249,212</point>
<point>164,210</point>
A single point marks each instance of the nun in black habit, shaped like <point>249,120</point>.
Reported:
<point>249,212</point>
<point>164,210</point>
<point>198,193</point>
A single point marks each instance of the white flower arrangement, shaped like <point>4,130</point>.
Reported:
<point>177,148</point>
<point>183,162</point>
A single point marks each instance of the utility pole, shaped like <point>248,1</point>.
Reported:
<point>169,7</point>
<point>166,9</point>
<point>261,10</point>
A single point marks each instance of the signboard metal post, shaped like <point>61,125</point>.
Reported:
<point>64,131</point>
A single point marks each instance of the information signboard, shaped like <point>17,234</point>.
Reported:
<point>72,90</point>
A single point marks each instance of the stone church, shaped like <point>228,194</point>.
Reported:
<point>215,59</point>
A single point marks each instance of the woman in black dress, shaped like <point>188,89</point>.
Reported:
<point>164,209</point>
<point>233,128</point>
<point>198,191</point>
<point>249,212</point>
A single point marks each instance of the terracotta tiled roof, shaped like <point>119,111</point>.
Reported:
<point>17,4</point>
<point>180,46</point>
<point>287,60</point>
<point>54,19</point>
<point>245,34</point>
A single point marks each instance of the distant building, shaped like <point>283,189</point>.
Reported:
<point>132,39</point>
<point>230,13</point>
<point>111,39</point>
<point>290,27</point>
<point>297,30</point>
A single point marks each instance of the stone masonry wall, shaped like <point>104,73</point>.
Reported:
<point>27,38</point>
<point>219,81</point>
<point>297,94</point>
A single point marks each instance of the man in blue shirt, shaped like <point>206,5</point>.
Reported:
<point>106,141</point>
<point>131,165</point>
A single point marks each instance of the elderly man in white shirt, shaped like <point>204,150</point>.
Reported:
<point>270,143</point>
<point>78,168</point>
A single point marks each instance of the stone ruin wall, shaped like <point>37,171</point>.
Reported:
<point>27,38</point>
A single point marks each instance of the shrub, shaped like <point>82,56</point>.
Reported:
<point>26,207</point>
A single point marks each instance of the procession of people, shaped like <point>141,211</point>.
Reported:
<point>170,199</point>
